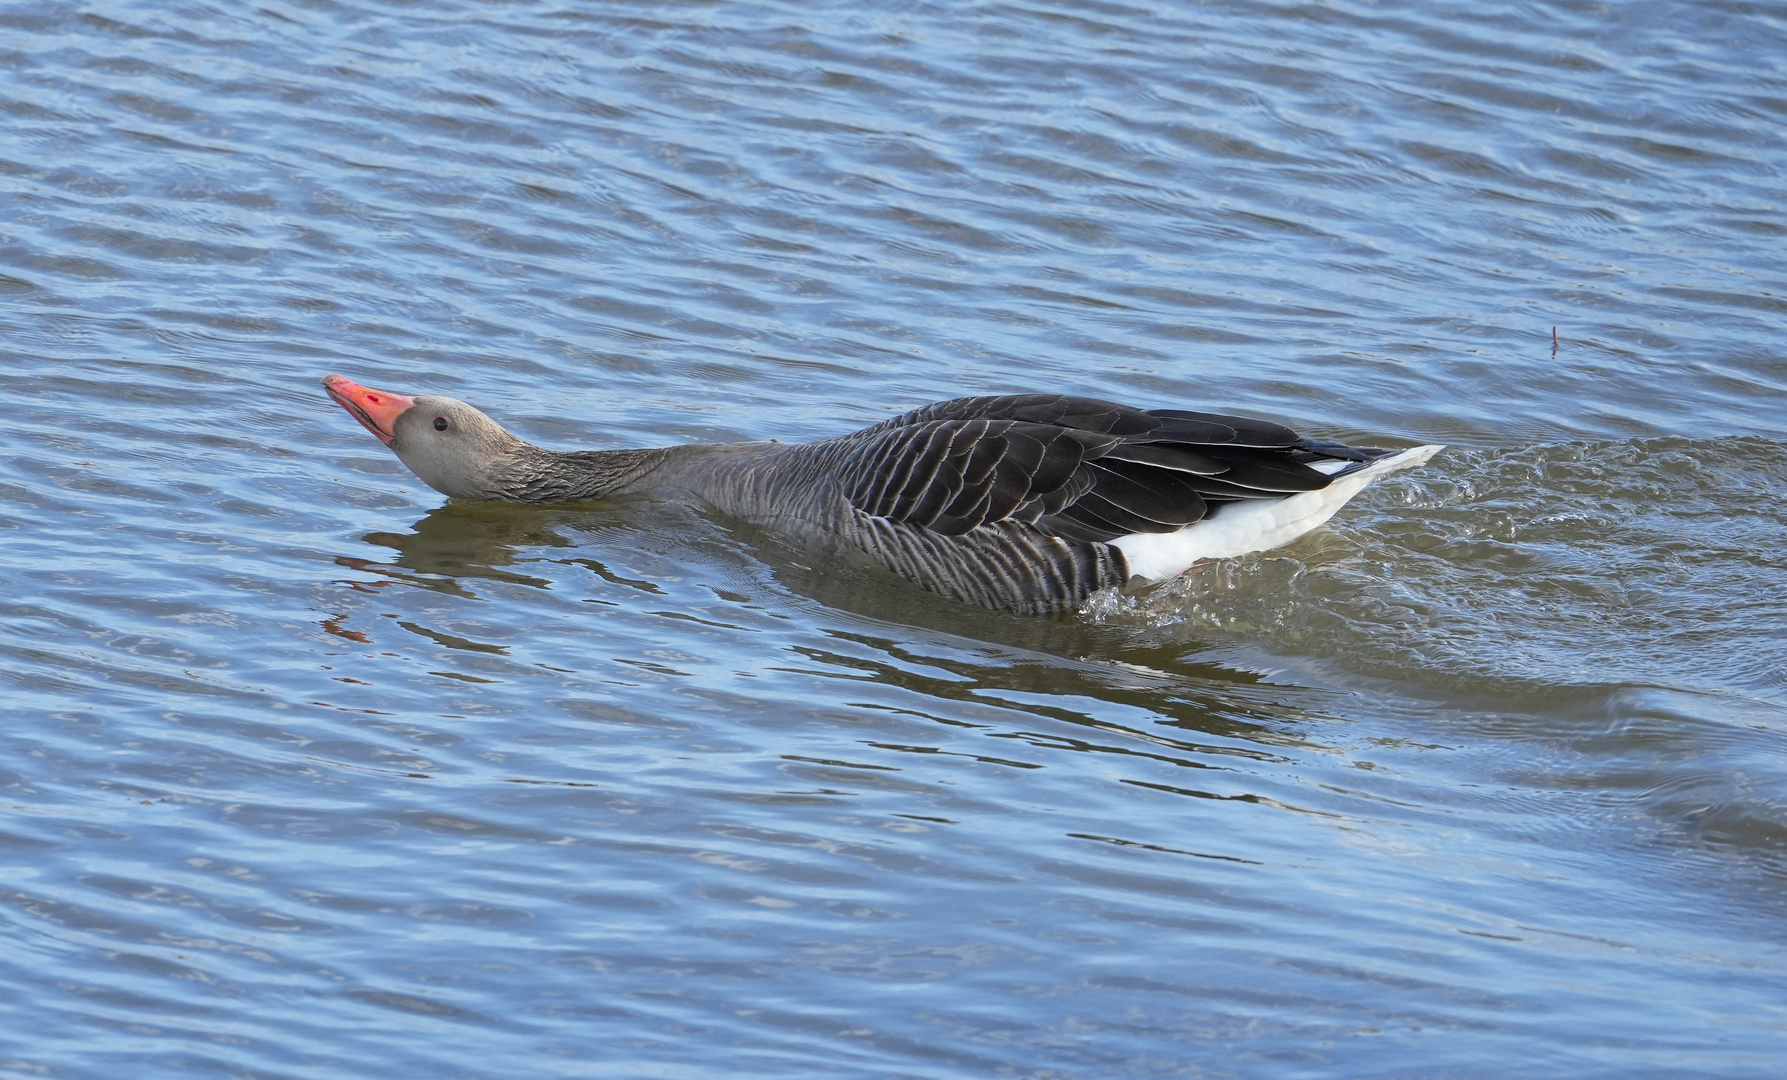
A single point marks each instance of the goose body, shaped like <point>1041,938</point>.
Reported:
<point>1027,502</point>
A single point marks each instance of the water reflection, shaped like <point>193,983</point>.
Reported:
<point>470,540</point>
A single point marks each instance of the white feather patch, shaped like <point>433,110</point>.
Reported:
<point>1255,524</point>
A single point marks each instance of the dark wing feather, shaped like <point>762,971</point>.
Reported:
<point>1057,410</point>
<point>1094,510</point>
<point>1243,430</point>
<point>1161,496</point>
<point>940,489</point>
<point>1061,457</point>
<point>1078,468</point>
<point>1278,474</point>
<point>1168,456</point>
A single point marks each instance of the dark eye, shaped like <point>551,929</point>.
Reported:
<point>440,423</point>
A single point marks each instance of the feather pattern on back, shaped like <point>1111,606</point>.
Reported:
<point>1074,467</point>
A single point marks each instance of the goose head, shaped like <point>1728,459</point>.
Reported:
<point>449,445</point>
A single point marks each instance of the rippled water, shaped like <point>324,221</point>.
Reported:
<point>308,773</point>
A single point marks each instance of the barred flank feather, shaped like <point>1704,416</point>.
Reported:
<point>1004,565</point>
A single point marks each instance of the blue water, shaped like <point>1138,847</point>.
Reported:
<point>310,773</point>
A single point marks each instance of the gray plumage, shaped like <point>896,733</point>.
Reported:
<point>1008,502</point>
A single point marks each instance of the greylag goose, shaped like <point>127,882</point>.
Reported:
<point>1029,502</point>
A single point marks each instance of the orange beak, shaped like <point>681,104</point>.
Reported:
<point>377,410</point>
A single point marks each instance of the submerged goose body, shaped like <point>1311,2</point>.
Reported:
<point>1027,502</point>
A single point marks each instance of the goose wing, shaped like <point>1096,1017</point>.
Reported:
<point>1073,467</point>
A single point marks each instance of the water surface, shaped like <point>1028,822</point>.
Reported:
<point>311,773</point>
